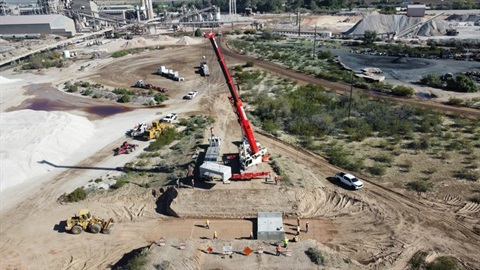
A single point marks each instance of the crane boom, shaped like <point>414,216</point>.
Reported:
<point>236,102</point>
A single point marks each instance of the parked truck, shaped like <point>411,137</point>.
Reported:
<point>349,180</point>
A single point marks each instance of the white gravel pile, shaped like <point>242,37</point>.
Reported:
<point>28,137</point>
<point>382,23</point>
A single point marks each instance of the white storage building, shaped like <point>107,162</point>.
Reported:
<point>416,10</point>
<point>51,24</point>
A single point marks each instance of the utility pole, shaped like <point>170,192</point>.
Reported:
<point>315,42</point>
<point>298,18</point>
<point>351,90</point>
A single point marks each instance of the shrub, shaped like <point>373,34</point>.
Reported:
<point>249,63</point>
<point>383,158</point>
<point>315,256</point>
<point>475,199</point>
<point>407,165</point>
<point>159,98</point>
<point>454,101</point>
<point>444,263</point>
<point>467,175</point>
<point>87,92</point>
<point>119,54</point>
<point>121,181</point>
<point>417,261</point>
<point>168,136</point>
<point>420,186</point>
<point>138,261</point>
<point>403,91</point>
<point>124,99</point>
<point>79,194</point>
<point>377,170</point>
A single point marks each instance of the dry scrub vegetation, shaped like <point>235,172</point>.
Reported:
<point>402,146</point>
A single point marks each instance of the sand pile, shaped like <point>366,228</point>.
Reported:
<point>136,42</point>
<point>4,81</point>
<point>163,38</point>
<point>396,23</point>
<point>28,137</point>
<point>188,41</point>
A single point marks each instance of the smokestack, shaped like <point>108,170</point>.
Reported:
<point>150,9</point>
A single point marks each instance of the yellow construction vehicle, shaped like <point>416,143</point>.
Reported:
<point>155,130</point>
<point>85,221</point>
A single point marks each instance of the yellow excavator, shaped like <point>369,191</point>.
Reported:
<point>85,221</point>
<point>155,130</point>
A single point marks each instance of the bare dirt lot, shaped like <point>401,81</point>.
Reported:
<point>373,228</point>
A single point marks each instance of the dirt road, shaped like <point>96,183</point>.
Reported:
<point>341,88</point>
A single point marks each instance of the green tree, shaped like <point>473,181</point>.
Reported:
<point>462,83</point>
<point>369,37</point>
<point>198,32</point>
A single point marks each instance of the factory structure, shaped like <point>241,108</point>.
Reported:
<point>31,26</point>
<point>68,17</point>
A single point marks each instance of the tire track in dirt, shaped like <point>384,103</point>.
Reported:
<point>340,88</point>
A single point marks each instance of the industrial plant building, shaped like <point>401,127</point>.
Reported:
<point>52,24</point>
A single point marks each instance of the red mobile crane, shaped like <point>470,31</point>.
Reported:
<point>252,154</point>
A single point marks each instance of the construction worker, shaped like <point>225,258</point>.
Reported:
<point>296,239</point>
<point>285,242</point>
<point>207,224</point>
<point>298,229</point>
<point>279,250</point>
<point>276,180</point>
<point>306,227</point>
<point>215,235</point>
<point>178,182</point>
<point>298,221</point>
<point>193,183</point>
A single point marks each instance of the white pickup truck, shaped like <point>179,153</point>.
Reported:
<point>349,180</point>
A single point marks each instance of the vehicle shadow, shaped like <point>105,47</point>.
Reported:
<point>60,227</point>
<point>337,182</point>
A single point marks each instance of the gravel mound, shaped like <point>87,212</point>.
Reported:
<point>465,18</point>
<point>382,23</point>
<point>187,41</point>
<point>163,38</point>
<point>433,28</point>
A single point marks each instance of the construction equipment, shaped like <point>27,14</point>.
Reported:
<point>251,153</point>
<point>451,32</point>
<point>142,84</point>
<point>204,69</point>
<point>156,129</point>
<point>85,221</point>
<point>138,130</point>
<point>125,148</point>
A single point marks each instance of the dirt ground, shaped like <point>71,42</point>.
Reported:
<point>373,228</point>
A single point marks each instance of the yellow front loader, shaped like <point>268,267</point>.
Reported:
<point>84,221</point>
